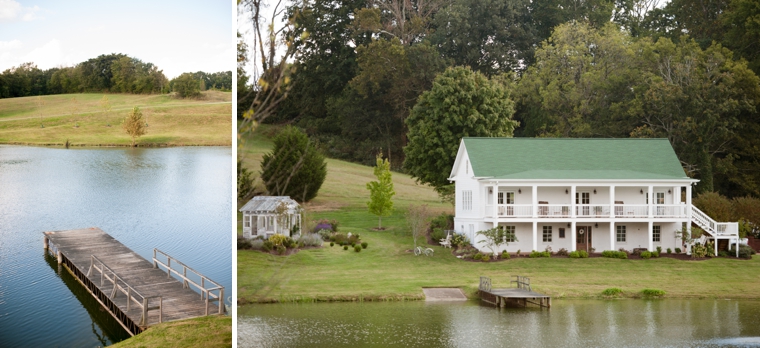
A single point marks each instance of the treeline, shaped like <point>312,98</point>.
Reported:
<point>112,73</point>
<point>574,68</point>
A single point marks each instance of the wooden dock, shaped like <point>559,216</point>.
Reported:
<point>521,295</point>
<point>138,293</point>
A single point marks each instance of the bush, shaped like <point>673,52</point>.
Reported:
<point>364,245</point>
<point>477,257</point>
<point>723,253</point>
<point>546,253</point>
<point>652,293</point>
<point>745,251</point>
<point>574,254</point>
<point>615,254</point>
<point>186,86</point>
<point>678,250</point>
<point>243,243</point>
<point>583,254</point>
<point>659,249</point>
<point>655,254</point>
<point>267,245</point>
<point>517,253</point>
<point>612,292</point>
<point>646,254</point>
<point>443,222</point>
<point>534,254</point>
<point>358,248</point>
<point>668,251</point>
<point>345,247</point>
<point>459,240</point>
<point>289,243</point>
<point>562,252</point>
<point>277,239</point>
<point>698,250</point>
<point>281,249</point>
<point>310,239</point>
<point>294,167</point>
<point>437,234</point>
<point>325,233</point>
<point>332,243</point>
<point>505,255</point>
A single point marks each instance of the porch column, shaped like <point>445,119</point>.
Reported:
<point>612,202</point>
<point>572,232</point>
<point>649,237</point>
<point>274,219</point>
<point>535,235</point>
<point>495,200</point>
<point>612,235</point>
<point>535,202</point>
<point>688,209</point>
<point>572,208</point>
<point>650,206</point>
<point>716,246</point>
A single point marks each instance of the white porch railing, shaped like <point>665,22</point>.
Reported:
<point>592,210</point>
<point>554,210</point>
<point>510,210</point>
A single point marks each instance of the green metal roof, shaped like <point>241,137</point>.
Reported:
<point>573,158</point>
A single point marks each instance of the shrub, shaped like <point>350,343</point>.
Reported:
<point>646,254</point>
<point>548,249</point>
<point>310,239</point>
<point>437,234</point>
<point>505,255</point>
<point>546,253</point>
<point>277,239</point>
<point>652,293</point>
<point>745,251</point>
<point>267,245</point>
<point>678,250</point>
<point>324,233</point>
<point>698,250</point>
<point>443,222</point>
<point>723,253</point>
<point>281,249</point>
<point>357,248</point>
<point>477,256</point>
<point>574,254</point>
<point>612,292</point>
<point>332,243</point>
<point>534,254</point>
<point>668,251</point>
<point>518,253</point>
<point>459,240</point>
<point>289,243</point>
<point>338,238</point>
<point>295,167</point>
<point>656,254</point>
<point>583,254</point>
<point>243,243</point>
<point>345,247</point>
<point>562,252</point>
<point>615,254</point>
<point>659,249</point>
<point>257,244</point>
<point>364,245</point>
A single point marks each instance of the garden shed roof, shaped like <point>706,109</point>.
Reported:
<point>268,204</point>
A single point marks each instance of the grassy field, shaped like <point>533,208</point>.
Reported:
<point>387,270</point>
<point>210,331</point>
<point>81,119</point>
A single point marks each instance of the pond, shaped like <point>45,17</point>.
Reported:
<point>569,323</point>
<point>176,199</point>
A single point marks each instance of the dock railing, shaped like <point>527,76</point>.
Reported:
<point>119,285</point>
<point>522,282</point>
<point>207,294</point>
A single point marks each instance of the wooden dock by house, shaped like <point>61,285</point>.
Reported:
<point>521,295</point>
<point>138,293</point>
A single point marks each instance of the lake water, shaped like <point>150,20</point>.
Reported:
<point>569,323</point>
<point>176,199</point>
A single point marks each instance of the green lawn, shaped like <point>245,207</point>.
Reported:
<point>210,331</point>
<point>387,270</point>
<point>81,119</point>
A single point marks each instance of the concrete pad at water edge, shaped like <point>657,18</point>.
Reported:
<point>444,294</point>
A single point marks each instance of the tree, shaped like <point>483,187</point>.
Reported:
<point>381,191</point>
<point>461,103</point>
<point>742,22</point>
<point>134,124</point>
<point>496,237</point>
<point>294,167</point>
<point>187,86</point>
<point>418,220</point>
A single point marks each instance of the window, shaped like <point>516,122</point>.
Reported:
<point>547,234</point>
<point>562,232</point>
<point>501,198</point>
<point>660,197</point>
<point>509,196</point>
<point>467,200</point>
<point>621,233</point>
<point>655,233</point>
<point>509,234</point>
<point>246,221</point>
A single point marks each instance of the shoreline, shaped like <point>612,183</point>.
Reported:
<point>149,145</point>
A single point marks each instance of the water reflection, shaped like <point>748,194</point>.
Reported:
<point>570,323</point>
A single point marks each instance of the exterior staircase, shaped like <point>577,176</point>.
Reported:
<point>716,230</point>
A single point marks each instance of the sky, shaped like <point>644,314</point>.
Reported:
<point>177,36</point>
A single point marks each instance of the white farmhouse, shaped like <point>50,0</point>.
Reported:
<point>577,194</point>
<point>268,215</point>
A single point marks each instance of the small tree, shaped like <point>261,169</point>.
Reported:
<point>294,167</point>
<point>496,237</point>
<point>187,86</point>
<point>134,124</point>
<point>417,218</point>
<point>381,191</point>
<point>105,105</point>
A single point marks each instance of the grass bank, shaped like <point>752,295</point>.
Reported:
<point>81,119</point>
<point>386,270</point>
<point>210,331</point>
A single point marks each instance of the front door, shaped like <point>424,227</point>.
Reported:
<point>583,238</point>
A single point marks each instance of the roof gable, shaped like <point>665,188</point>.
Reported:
<point>268,204</point>
<point>573,158</point>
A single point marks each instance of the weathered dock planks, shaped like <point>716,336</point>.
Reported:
<point>519,296</point>
<point>134,290</point>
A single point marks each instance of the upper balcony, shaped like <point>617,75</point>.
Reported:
<point>545,210</point>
